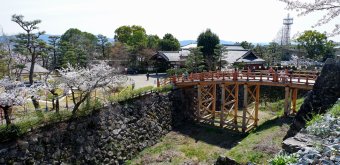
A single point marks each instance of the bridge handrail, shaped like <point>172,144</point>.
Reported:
<point>259,75</point>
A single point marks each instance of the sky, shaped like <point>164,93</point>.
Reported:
<point>231,20</point>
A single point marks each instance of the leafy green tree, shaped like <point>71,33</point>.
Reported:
<point>28,43</point>
<point>136,39</point>
<point>134,36</point>
<point>169,43</point>
<point>247,45</point>
<point>153,41</point>
<point>195,60</point>
<point>218,51</point>
<point>75,44</point>
<point>53,42</point>
<point>259,50</point>
<point>123,34</point>
<point>208,41</point>
<point>316,45</point>
<point>103,45</point>
<point>273,53</point>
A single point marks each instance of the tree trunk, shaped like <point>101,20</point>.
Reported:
<point>76,106</point>
<point>53,104</point>
<point>32,70</point>
<point>56,103</point>
<point>7,111</point>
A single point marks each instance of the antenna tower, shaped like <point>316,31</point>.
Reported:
<point>285,38</point>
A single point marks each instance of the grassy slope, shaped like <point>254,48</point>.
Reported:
<point>261,144</point>
<point>191,144</point>
<point>203,144</point>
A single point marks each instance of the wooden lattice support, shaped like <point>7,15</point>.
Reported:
<point>229,105</point>
<point>250,116</point>
<point>207,101</point>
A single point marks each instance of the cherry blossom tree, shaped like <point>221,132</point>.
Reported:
<point>52,84</point>
<point>10,95</point>
<point>15,93</point>
<point>82,81</point>
<point>331,7</point>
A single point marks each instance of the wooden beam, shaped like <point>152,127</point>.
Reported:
<point>245,108</point>
<point>236,104</point>
<point>257,102</point>
<point>222,105</point>
<point>213,110</point>
<point>245,95</point>
<point>287,99</point>
<point>199,98</point>
<point>294,97</point>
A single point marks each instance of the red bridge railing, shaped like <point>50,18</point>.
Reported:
<point>297,77</point>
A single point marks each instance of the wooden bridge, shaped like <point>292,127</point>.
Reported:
<point>229,82</point>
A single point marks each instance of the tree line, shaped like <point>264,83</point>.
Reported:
<point>132,48</point>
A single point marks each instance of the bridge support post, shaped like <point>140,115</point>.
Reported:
<point>199,96</point>
<point>257,102</point>
<point>287,101</point>
<point>294,97</point>
<point>245,95</point>
<point>213,110</point>
<point>222,111</point>
<point>236,105</point>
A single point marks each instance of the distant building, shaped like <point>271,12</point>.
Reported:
<point>237,55</point>
<point>170,59</point>
<point>234,54</point>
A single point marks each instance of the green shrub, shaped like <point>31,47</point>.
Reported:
<point>283,159</point>
<point>335,110</point>
<point>128,93</point>
<point>315,118</point>
<point>174,71</point>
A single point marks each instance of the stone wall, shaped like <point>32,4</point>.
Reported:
<point>111,135</point>
<point>184,105</point>
<point>324,95</point>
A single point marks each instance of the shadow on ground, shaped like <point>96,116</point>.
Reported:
<point>225,138</point>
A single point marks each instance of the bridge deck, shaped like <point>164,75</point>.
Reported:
<point>304,80</point>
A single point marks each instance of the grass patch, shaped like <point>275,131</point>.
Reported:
<point>335,110</point>
<point>283,159</point>
<point>31,121</point>
<point>261,144</point>
<point>315,118</point>
<point>129,93</point>
<point>199,153</point>
<point>278,107</point>
<point>191,144</point>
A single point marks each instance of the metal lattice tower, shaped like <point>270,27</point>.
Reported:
<point>285,38</point>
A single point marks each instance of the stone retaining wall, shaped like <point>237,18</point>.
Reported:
<point>111,135</point>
